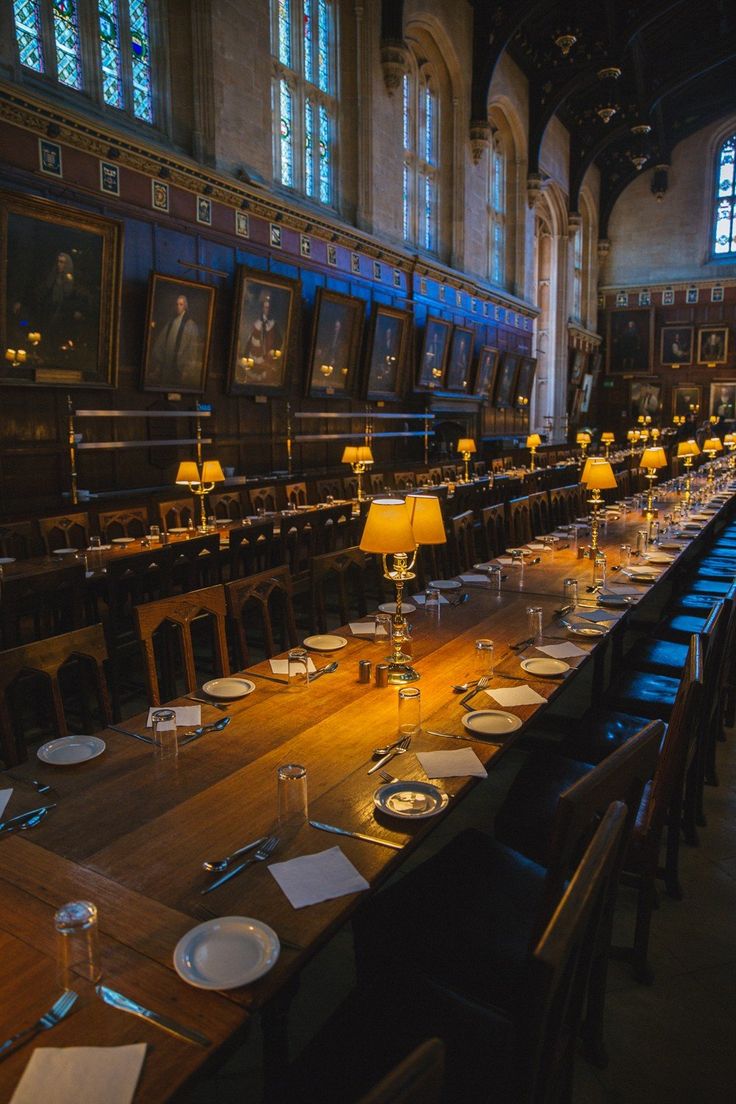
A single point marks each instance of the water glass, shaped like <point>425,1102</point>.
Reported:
<point>494,578</point>
<point>298,669</point>
<point>382,628</point>
<point>483,659</point>
<point>432,602</point>
<point>642,541</point>
<point>624,557</point>
<point>165,734</point>
<point>154,534</point>
<point>534,623</point>
<point>410,711</point>
<point>570,592</point>
<point>77,945</point>
<point>291,795</point>
<point>599,570</point>
<point>94,555</point>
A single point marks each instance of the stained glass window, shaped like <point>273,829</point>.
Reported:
<point>28,33</point>
<point>323,40</point>
<point>140,60</point>
<point>325,173</point>
<point>309,148</point>
<point>497,212</point>
<point>724,233</point>
<point>420,170</point>
<point>406,202</point>
<point>284,31</point>
<point>428,214</point>
<point>66,39</point>
<point>286,140</point>
<point>110,60</point>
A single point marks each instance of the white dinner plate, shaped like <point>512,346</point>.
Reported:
<point>390,607</point>
<point>125,540</point>
<point>659,558</point>
<point>229,687</point>
<point>6,560</point>
<point>643,576</point>
<point>670,546</point>
<point>64,551</point>
<point>587,630</point>
<point>544,667</point>
<point>445,584</point>
<point>615,601</point>
<point>226,952</point>
<point>491,722</point>
<point>177,529</point>
<point>324,642</point>
<point>70,749</point>
<point>410,800</point>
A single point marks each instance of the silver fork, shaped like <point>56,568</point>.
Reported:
<point>387,777</point>
<point>50,1019</point>
<point>261,855</point>
<point>480,685</point>
<point>397,749</point>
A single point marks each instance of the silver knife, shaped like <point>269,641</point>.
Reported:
<point>447,735</point>
<point>16,820</point>
<point>125,1004</point>
<point>269,678</point>
<point>355,835</point>
<point>382,762</point>
<point>135,735</point>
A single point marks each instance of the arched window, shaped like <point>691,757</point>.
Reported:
<point>724,223</point>
<point>304,96</point>
<point>420,189</point>
<point>100,47</point>
<point>577,273</point>
<point>497,211</point>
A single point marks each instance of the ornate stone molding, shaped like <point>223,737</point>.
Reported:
<point>604,248</point>
<point>574,223</point>
<point>534,186</point>
<point>394,63</point>
<point>480,138</point>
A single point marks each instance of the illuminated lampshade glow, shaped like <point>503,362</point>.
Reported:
<point>653,458</point>
<point>425,517</point>
<point>598,473</point>
<point>608,438</point>
<point>713,444</point>
<point>466,444</point>
<point>357,454</point>
<point>533,440</point>
<point>688,448</point>
<point>212,472</point>
<point>188,473</point>
<point>388,527</point>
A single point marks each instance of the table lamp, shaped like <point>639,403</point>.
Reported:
<point>730,442</point>
<point>200,483</point>
<point>652,459</point>
<point>395,528</point>
<point>533,442</point>
<point>583,439</point>
<point>466,447</point>
<point>607,440</point>
<point>359,457</point>
<point>597,476</point>
<point>686,450</point>
<point>711,447</point>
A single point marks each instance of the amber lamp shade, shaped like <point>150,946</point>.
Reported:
<point>388,527</point>
<point>425,518</point>
<point>533,440</point>
<point>357,454</point>
<point>598,474</point>
<point>688,448</point>
<point>466,444</point>
<point>653,458</point>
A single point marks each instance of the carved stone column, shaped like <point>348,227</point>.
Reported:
<point>203,130</point>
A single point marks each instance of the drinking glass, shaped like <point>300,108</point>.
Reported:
<point>494,578</point>
<point>642,541</point>
<point>483,659</point>
<point>599,570</point>
<point>291,795</point>
<point>154,534</point>
<point>298,668</point>
<point>77,947</point>
<point>570,592</point>
<point>410,711</point>
<point>432,602</point>
<point>165,734</point>
<point>624,557</point>
<point>94,556</point>
<point>534,623</point>
<point>381,628</point>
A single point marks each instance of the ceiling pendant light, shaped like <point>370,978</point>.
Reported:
<point>565,42</point>
<point>606,113</point>
<point>638,160</point>
<point>641,128</point>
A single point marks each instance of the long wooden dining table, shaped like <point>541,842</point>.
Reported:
<point>130,833</point>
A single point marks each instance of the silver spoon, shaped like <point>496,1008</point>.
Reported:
<point>324,670</point>
<point>461,687</point>
<point>380,752</point>
<point>216,865</point>
<point>217,726</point>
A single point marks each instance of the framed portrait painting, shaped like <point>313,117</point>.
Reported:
<point>645,397</point>
<point>525,378</point>
<point>676,345</point>
<point>485,372</point>
<point>433,357</point>
<point>178,328</point>
<point>458,365</point>
<point>338,321</point>
<point>713,345</point>
<point>265,307</point>
<point>723,400</point>
<point>506,380</point>
<point>60,272</point>
<point>686,399</point>
<point>387,349</point>
<point>629,345</point>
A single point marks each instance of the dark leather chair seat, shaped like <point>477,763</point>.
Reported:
<point>662,657</point>
<point>689,616</point>
<point>528,810</point>
<point>645,694</point>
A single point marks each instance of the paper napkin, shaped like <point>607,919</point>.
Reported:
<point>319,877</point>
<point>187,716</point>
<point>281,666</point>
<point>460,762</point>
<point>477,580</point>
<point>515,695</point>
<point>419,599</point>
<point>81,1075</point>
<point>506,561</point>
<point>5,796</point>
<point>597,615</point>
<point>366,628</point>
<point>561,651</point>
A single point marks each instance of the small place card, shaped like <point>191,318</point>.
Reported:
<point>420,598</point>
<point>187,716</point>
<point>310,879</point>
<point>561,651</point>
<point>281,666</point>
<point>367,628</point>
<point>458,763</point>
<point>516,695</point>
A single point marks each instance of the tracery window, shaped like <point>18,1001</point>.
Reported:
<point>577,274</point>
<point>111,63</point>
<point>724,223</point>
<point>420,184</point>
<point>304,96</point>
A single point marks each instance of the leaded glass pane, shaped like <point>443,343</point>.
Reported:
<point>308,42</point>
<point>428,126</point>
<point>724,233</point>
<point>323,45</point>
<point>405,110</point>
<point>498,189</point>
<point>406,203</point>
<point>325,156</point>
<point>428,213</point>
<point>497,252</point>
<point>110,62</point>
<point>284,31</point>
<point>66,37</point>
<point>309,148</point>
<point>28,33</point>
<point>140,48</point>
<point>726,174</point>
<point>286,135</point>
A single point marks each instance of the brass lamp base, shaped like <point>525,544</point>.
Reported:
<point>399,661</point>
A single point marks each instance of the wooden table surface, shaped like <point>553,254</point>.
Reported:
<point>131,834</point>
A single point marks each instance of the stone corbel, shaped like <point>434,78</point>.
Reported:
<point>534,183</point>
<point>394,63</point>
<point>574,222</point>
<point>604,248</point>
<point>480,138</point>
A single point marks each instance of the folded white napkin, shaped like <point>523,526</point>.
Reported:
<point>515,695</point>
<point>536,546</point>
<point>186,715</point>
<point>281,666</point>
<point>5,796</point>
<point>366,628</point>
<point>561,651</point>
<point>419,599</point>
<point>620,589</point>
<point>481,580</point>
<point>81,1075</point>
<point>506,561</point>
<point>461,762</point>
<point>319,877</point>
<point>100,548</point>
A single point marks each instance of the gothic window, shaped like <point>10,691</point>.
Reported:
<point>99,47</point>
<point>420,182</point>
<point>304,96</point>
<point>577,275</point>
<point>724,223</point>
<point>497,208</point>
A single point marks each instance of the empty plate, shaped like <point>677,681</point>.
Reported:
<point>544,667</point>
<point>390,607</point>
<point>226,952</point>
<point>6,560</point>
<point>445,584</point>
<point>64,551</point>
<point>325,642</point>
<point>643,576</point>
<point>412,800</point>
<point>176,529</point>
<point>491,722</point>
<point>70,749</point>
<point>659,558</point>
<point>229,687</point>
<point>671,546</point>
<point>615,601</point>
<point>125,540</point>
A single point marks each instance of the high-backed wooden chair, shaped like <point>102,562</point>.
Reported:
<point>539,511</point>
<point>226,505</point>
<point>338,583</point>
<point>493,530</point>
<point>197,562</point>
<point>18,540</point>
<point>180,613</point>
<point>46,658</point>
<point>251,548</point>
<point>350,483</point>
<point>327,488</point>
<point>258,603</point>
<point>335,528</point>
<point>65,531</point>
<point>404,481</point>
<point>296,494</point>
<point>449,472</point>
<point>45,603</point>
<point>376,482</point>
<point>559,508</point>
<point>262,499</point>
<point>299,542</point>
<point>462,542</point>
<point>132,522</point>
<point>518,521</point>
<point>176,514</point>
<point>480,467</point>
<point>435,475</point>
